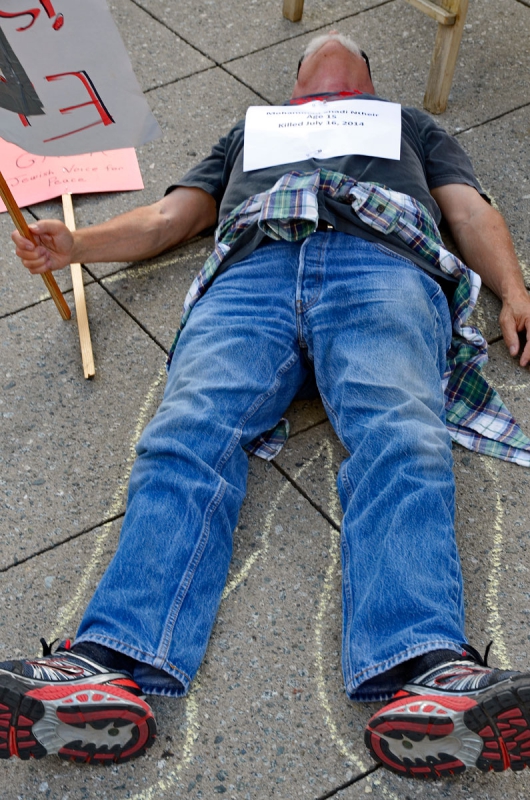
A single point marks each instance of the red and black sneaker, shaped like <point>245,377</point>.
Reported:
<point>460,714</point>
<point>68,705</point>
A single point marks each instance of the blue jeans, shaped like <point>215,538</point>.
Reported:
<point>376,329</point>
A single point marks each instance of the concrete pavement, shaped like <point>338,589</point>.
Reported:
<point>267,716</point>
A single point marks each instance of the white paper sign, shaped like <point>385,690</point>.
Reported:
<point>284,134</point>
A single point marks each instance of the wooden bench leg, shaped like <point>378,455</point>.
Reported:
<point>444,58</point>
<point>293,9</point>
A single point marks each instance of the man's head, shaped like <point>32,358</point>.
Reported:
<point>333,63</point>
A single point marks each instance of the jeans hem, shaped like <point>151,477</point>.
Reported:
<point>166,680</point>
<point>374,695</point>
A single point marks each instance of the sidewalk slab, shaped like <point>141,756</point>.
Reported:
<point>262,23</point>
<point>67,441</point>
<point>157,55</point>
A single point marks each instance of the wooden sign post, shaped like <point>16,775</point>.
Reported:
<point>79,297</point>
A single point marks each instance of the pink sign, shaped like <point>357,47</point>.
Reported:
<point>33,179</point>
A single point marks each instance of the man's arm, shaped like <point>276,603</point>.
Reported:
<point>486,246</point>
<point>136,235</point>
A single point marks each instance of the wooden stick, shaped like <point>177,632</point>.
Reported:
<point>444,58</point>
<point>79,297</point>
<point>440,14</point>
<point>22,227</point>
<point>293,9</point>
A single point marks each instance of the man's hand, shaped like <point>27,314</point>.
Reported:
<point>515,325</point>
<point>483,238</point>
<point>53,248</point>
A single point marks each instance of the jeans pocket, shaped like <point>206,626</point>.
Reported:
<point>393,254</point>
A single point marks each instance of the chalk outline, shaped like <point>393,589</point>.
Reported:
<point>191,704</point>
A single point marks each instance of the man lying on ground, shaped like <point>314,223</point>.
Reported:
<point>326,276</point>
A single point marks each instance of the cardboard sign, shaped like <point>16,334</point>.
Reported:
<point>285,134</point>
<point>66,82</point>
<point>34,179</point>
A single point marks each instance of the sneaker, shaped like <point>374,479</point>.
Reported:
<point>458,715</point>
<point>68,705</point>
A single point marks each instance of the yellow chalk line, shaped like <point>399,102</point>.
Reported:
<point>502,386</point>
<point>192,732</point>
<point>324,603</point>
<point>251,560</point>
<point>492,593</point>
<point>192,726</point>
<point>478,314</point>
<point>141,271</point>
<point>147,269</point>
<point>67,613</point>
<point>166,782</point>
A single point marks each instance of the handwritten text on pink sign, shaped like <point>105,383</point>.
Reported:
<point>34,178</point>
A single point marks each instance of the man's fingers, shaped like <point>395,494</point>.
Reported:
<point>21,242</point>
<point>515,326</point>
<point>509,332</point>
<point>524,337</point>
<point>35,258</point>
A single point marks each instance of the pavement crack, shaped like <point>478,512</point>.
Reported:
<point>100,282</point>
<point>491,119</point>
<point>63,541</point>
<point>31,305</point>
<point>174,32</point>
<point>306,32</point>
<point>304,494</point>
<point>353,780</point>
<point>308,428</point>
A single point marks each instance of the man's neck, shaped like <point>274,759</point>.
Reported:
<point>330,96</point>
<point>325,79</point>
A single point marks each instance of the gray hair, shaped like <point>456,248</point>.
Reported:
<point>346,41</point>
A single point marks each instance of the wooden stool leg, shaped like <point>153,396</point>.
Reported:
<point>444,58</point>
<point>293,9</point>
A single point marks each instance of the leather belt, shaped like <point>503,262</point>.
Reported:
<point>322,225</point>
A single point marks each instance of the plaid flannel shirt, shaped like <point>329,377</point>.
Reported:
<point>476,417</point>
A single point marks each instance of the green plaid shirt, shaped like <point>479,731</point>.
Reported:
<point>476,417</point>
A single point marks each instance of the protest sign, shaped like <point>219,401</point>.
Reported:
<point>33,178</point>
<point>66,82</point>
<point>319,129</point>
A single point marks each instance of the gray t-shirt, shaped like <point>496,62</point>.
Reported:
<point>430,157</point>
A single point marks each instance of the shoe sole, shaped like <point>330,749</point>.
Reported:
<point>435,735</point>
<point>84,723</point>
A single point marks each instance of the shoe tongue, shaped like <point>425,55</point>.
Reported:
<point>452,676</point>
<point>79,661</point>
<point>435,658</point>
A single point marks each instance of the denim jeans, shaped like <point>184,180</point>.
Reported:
<point>376,329</point>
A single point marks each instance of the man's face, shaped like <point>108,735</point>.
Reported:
<point>331,55</point>
<point>333,67</point>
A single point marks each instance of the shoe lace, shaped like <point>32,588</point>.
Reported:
<point>47,648</point>
<point>475,655</point>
